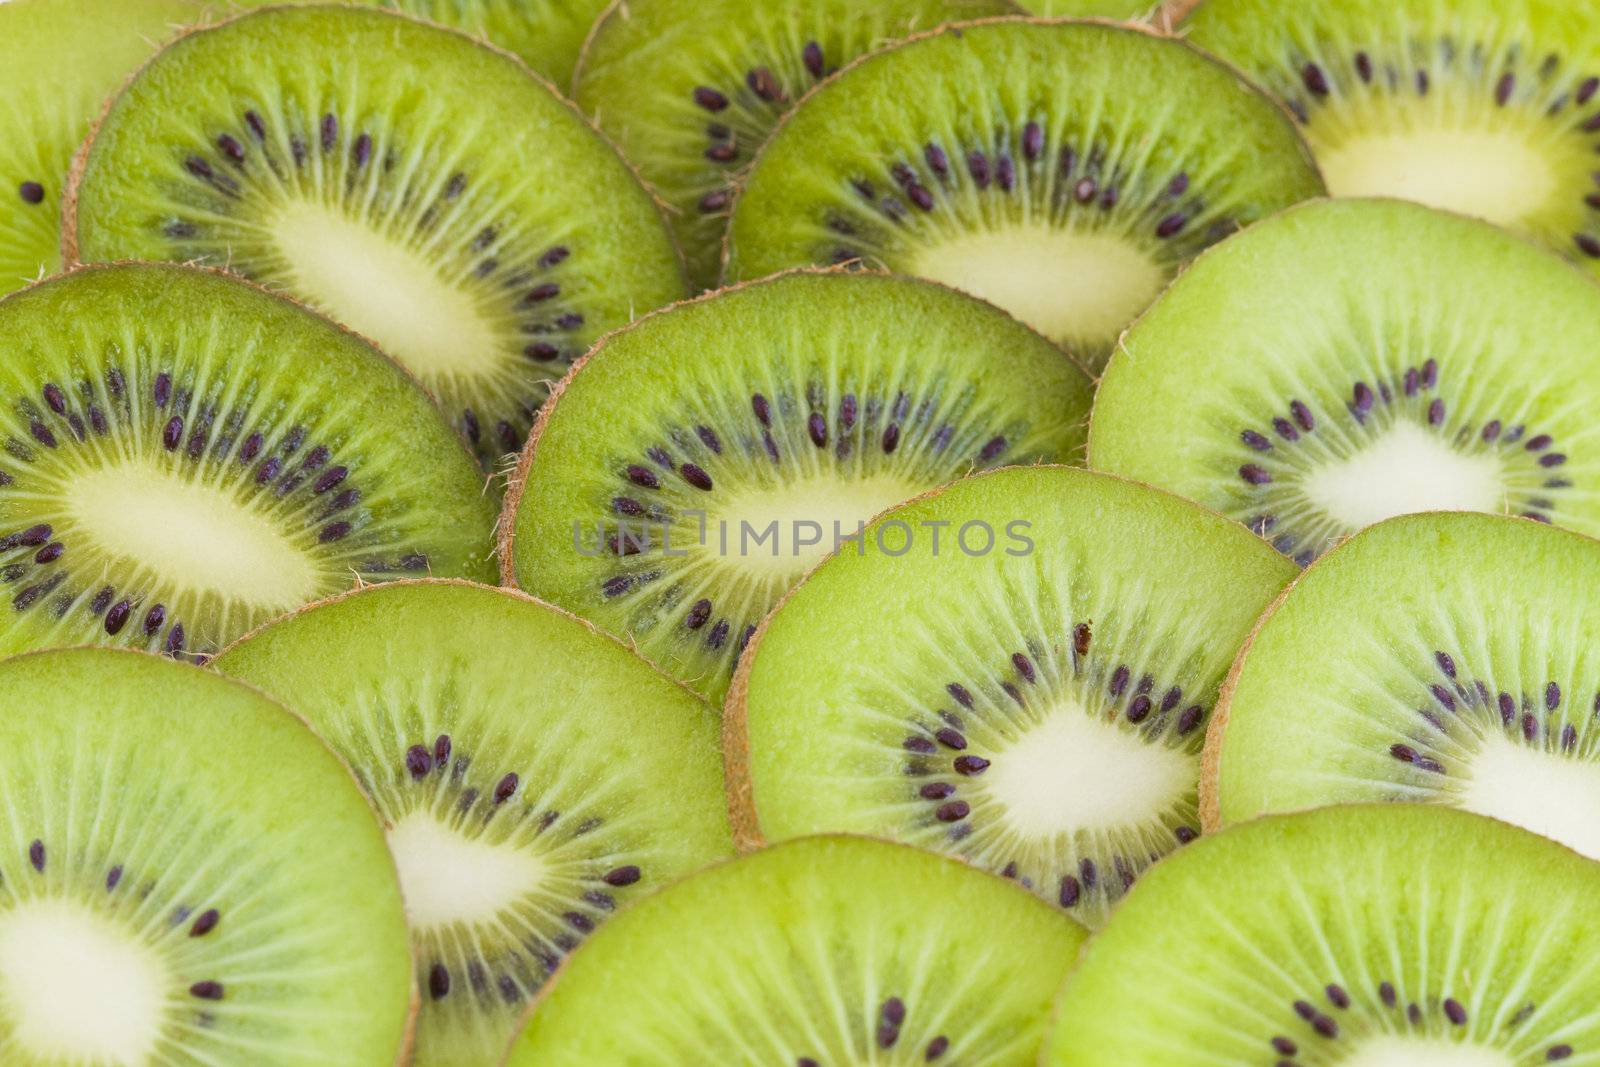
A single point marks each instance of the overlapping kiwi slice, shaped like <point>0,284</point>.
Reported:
<point>691,91</point>
<point>1486,107</point>
<point>1363,936</point>
<point>363,162</point>
<point>817,953</point>
<point>183,456</point>
<point>1444,658</point>
<point>533,776</point>
<point>1063,170</point>
<point>695,465</point>
<point>546,34</point>
<point>1020,671</point>
<point>1418,361</point>
<point>61,62</point>
<point>187,876</point>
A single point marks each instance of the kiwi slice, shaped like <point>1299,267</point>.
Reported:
<point>1484,107</point>
<point>1443,658</point>
<point>1109,9</point>
<point>695,465</point>
<point>691,91</point>
<point>363,162</point>
<point>189,877</point>
<point>817,953</point>
<point>62,61</point>
<point>183,456</point>
<point>1352,360</point>
<point>532,776</point>
<point>1063,170</point>
<point>1364,936</point>
<point>1022,666</point>
<point>546,34</point>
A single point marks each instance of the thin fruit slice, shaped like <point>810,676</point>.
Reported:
<point>831,950</point>
<point>62,60</point>
<point>183,456</point>
<point>1447,659</point>
<point>691,91</point>
<point>190,877</point>
<point>1364,936</point>
<point>1020,670</point>
<point>1063,170</point>
<point>696,465</point>
<point>482,253</point>
<point>1352,360</point>
<point>546,34</point>
<point>532,776</point>
<point>1486,107</point>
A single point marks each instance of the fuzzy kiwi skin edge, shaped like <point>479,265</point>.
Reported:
<point>403,1057</point>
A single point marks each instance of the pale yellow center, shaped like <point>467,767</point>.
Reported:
<point>386,292</point>
<point>155,520</point>
<point>449,878</point>
<point>1406,469</point>
<point>1070,286</point>
<point>782,530</point>
<point>1493,174</point>
<point>1073,772</point>
<point>1394,1051</point>
<point>1554,795</point>
<point>76,989</point>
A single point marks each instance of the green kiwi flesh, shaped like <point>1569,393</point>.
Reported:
<point>545,34</point>
<point>189,876</point>
<point>1363,936</point>
<point>62,61</point>
<point>1416,361</point>
<point>1029,693</point>
<point>699,462</point>
<point>532,776</point>
<point>183,456</point>
<point>1439,658</point>
<point>825,951</point>
<point>1485,107</point>
<point>1105,9</point>
<point>1063,170</point>
<point>691,91</point>
<point>362,162</point>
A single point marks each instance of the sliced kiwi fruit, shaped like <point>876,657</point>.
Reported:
<point>1449,658</point>
<point>363,162</point>
<point>62,60</point>
<point>546,34</point>
<point>1485,107</point>
<point>189,877</point>
<point>1063,170</point>
<point>1107,9</point>
<point>183,456</point>
<point>1364,936</point>
<point>1352,360</point>
<point>823,952</point>
<point>1021,667</point>
<point>533,776</point>
<point>691,91</point>
<point>696,464</point>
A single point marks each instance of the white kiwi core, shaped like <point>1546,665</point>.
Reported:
<point>1554,795</point>
<point>1406,469</point>
<point>1075,773</point>
<point>155,520</point>
<point>1071,286</point>
<point>386,292</point>
<point>76,988</point>
<point>1394,1051</point>
<point>448,878</point>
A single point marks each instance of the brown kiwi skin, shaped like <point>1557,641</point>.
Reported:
<point>80,162</point>
<point>408,1038</point>
<point>518,479</point>
<point>1163,26</point>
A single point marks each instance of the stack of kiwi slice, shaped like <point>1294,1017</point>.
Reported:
<point>799,533</point>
